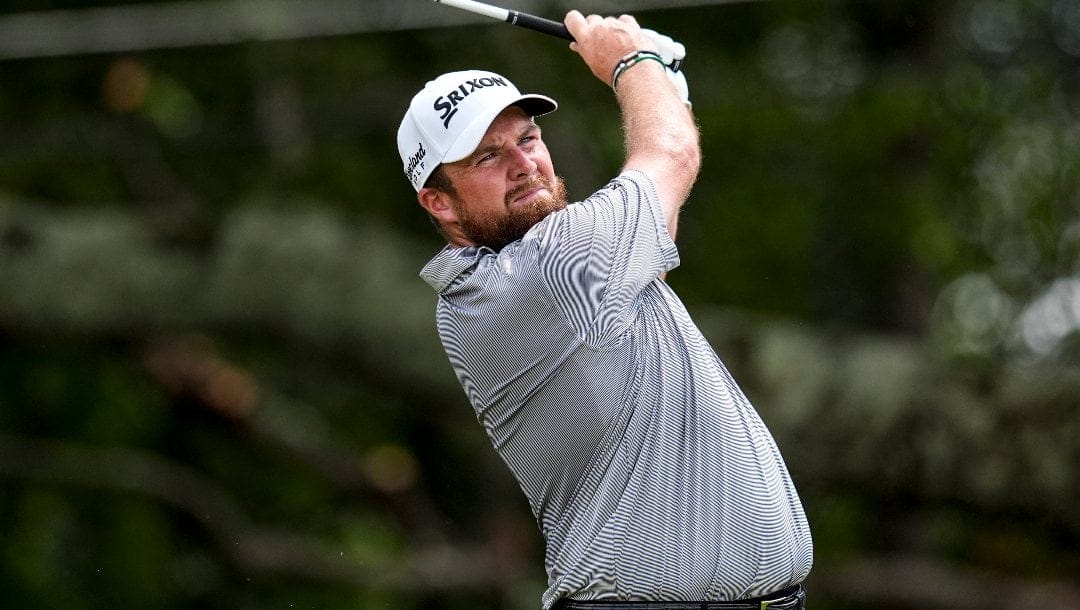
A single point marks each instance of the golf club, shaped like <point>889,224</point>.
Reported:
<point>525,20</point>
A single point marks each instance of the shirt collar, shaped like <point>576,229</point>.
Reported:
<point>451,262</point>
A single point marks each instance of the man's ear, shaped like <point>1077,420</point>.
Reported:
<point>437,203</point>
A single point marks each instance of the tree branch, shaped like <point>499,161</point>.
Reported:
<point>251,548</point>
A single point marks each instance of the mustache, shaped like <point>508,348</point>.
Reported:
<point>528,186</point>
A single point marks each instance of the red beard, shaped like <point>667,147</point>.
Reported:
<point>495,231</point>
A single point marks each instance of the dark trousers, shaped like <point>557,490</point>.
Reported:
<point>792,598</point>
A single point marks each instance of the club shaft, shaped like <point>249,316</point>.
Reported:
<point>525,20</point>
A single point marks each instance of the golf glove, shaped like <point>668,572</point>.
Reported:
<point>672,52</point>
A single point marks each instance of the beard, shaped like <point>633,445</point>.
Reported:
<point>497,230</point>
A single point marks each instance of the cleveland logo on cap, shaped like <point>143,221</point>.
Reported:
<point>416,163</point>
<point>448,103</point>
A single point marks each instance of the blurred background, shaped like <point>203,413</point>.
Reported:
<point>220,385</point>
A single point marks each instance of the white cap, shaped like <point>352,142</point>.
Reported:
<point>448,118</point>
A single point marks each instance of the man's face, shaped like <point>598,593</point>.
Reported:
<point>504,187</point>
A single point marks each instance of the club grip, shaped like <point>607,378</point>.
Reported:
<point>547,26</point>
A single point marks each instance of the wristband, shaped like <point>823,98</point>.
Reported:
<point>632,59</point>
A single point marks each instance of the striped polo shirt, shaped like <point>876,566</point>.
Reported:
<point>649,473</point>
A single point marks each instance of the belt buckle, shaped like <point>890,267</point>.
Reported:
<point>765,605</point>
<point>780,603</point>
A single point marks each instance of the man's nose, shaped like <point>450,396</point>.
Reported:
<point>521,164</point>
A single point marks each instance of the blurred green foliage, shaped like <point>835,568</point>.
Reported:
<point>220,384</point>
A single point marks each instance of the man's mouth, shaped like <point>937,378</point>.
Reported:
<point>526,192</point>
<point>530,193</point>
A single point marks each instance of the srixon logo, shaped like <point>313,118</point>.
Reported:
<point>448,104</point>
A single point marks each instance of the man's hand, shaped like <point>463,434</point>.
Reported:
<point>603,41</point>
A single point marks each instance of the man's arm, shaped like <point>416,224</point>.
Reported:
<point>661,134</point>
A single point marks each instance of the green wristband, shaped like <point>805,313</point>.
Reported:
<point>632,59</point>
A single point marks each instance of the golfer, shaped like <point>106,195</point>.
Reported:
<point>650,475</point>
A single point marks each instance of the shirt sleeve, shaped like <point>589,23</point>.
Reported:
<point>598,255</point>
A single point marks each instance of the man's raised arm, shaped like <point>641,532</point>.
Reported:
<point>661,134</point>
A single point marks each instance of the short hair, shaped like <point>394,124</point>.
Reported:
<point>440,180</point>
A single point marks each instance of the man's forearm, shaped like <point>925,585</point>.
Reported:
<point>661,134</point>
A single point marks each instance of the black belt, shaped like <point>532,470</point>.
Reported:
<point>792,598</point>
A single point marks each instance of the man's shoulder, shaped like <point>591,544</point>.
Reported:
<point>446,266</point>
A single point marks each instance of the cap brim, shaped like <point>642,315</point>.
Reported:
<point>534,104</point>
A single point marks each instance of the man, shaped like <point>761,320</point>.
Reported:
<point>650,475</point>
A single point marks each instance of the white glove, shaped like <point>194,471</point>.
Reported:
<point>672,52</point>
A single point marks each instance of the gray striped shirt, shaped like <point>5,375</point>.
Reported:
<point>649,473</point>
